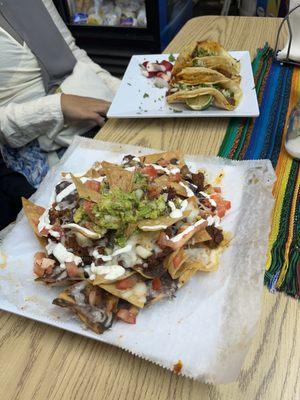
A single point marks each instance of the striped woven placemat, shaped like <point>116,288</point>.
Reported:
<point>278,90</point>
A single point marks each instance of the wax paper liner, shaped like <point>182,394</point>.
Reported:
<point>211,321</point>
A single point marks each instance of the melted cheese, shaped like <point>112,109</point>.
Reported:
<point>110,272</point>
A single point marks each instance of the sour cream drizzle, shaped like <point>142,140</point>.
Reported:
<point>62,254</point>
<point>189,229</point>
<point>83,230</point>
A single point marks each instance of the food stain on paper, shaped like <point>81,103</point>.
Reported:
<point>177,367</point>
<point>219,178</point>
<point>3,260</point>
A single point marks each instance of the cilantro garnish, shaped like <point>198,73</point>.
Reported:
<point>172,58</point>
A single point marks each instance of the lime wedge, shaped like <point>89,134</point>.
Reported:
<point>200,102</point>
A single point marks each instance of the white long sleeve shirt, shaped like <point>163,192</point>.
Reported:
<point>26,112</point>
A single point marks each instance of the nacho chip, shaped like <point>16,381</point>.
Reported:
<point>135,294</point>
<point>160,223</point>
<point>167,155</point>
<point>174,262</point>
<point>119,178</point>
<point>33,213</point>
<point>100,279</point>
<point>92,305</point>
<point>85,192</point>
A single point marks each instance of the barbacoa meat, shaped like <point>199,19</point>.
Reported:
<point>216,237</point>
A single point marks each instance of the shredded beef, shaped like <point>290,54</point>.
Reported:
<point>171,193</point>
<point>153,267</point>
<point>61,215</point>
<point>174,161</point>
<point>72,245</point>
<point>198,180</point>
<point>216,236</point>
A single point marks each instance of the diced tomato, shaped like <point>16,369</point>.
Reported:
<point>175,177</point>
<point>222,205</point>
<point>150,171</point>
<point>127,316</point>
<point>217,189</point>
<point>126,283</point>
<point>221,211</point>
<point>88,206</point>
<point>72,269</point>
<point>177,260</point>
<point>227,204</point>
<point>93,185</point>
<point>37,268</point>
<point>156,284</point>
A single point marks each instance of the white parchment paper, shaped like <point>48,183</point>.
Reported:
<point>210,323</point>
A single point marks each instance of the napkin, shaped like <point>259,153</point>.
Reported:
<point>295,26</point>
<point>211,321</point>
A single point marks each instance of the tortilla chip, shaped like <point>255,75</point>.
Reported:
<point>127,294</point>
<point>33,213</point>
<point>179,257</point>
<point>199,237</point>
<point>167,155</point>
<point>85,192</point>
<point>180,190</point>
<point>100,279</point>
<point>160,223</point>
<point>119,178</point>
<point>87,312</point>
<point>162,181</point>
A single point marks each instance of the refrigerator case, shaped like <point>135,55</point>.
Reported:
<point>111,31</point>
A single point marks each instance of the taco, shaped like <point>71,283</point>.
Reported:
<point>226,95</point>
<point>204,49</point>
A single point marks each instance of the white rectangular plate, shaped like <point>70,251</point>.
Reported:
<point>131,100</point>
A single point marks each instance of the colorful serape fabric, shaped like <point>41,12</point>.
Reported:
<point>278,90</point>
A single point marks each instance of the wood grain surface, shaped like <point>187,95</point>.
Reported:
<point>41,362</point>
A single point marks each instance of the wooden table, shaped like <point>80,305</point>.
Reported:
<point>41,362</point>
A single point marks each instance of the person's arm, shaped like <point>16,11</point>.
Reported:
<point>112,82</point>
<point>22,123</point>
